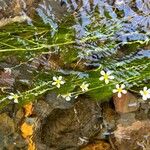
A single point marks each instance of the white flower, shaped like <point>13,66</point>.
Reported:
<point>84,87</point>
<point>145,93</point>
<point>120,90</point>
<point>106,76</point>
<point>67,96</point>
<point>7,70</point>
<point>14,97</point>
<point>58,81</point>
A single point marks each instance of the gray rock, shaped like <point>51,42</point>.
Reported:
<point>58,102</point>
<point>68,127</point>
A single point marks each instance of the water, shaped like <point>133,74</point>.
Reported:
<point>43,39</point>
<point>73,37</point>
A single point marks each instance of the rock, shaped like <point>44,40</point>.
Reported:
<point>6,79</point>
<point>42,109</point>
<point>136,136</point>
<point>109,115</point>
<point>144,111</point>
<point>9,137</point>
<point>51,8</point>
<point>17,8</point>
<point>58,102</point>
<point>19,116</point>
<point>67,127</point>
<point>126,119</point>
<point>21,11</point>
<point>98,145</point>
<point>127,103</point>
<point>109,119</point>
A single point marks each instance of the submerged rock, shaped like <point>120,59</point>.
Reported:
<point>9,136</point>
<point>26,10</point>
<point>127,103</point>
<point>98,145</point>
<point>17,8</point>
<point>135,137</point>
<point>58,124</point>
<point>17,11</point>
<point>68,128</point>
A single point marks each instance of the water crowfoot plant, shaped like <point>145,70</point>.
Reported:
<point>13,97</point>
<point>67,96</point>
<point>58,81</point>
<point>99,76</point>
<point>84,86</point>
<point>106,76</point>
<point>145,93</point>
<point>120,90</point>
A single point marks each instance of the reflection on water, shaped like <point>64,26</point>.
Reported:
<point>73,22</point>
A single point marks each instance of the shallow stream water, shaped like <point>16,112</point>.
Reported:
<point>40,39</point>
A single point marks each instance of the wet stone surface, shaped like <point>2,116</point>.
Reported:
<point>61,125</point>
<point>71,127</point>
<point>75,125</point>
<point>136,136</point>
<point>10,138</point>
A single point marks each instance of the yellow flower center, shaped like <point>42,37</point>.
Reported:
<point>145,92</point>
<point>106,77</point>
<point>15,96</point>
<point>119,90</point>
<point>58,81</point>
<point>83,86</point>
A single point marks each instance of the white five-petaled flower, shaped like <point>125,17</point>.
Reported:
<point>14,97</point>
<point>84,86</point>
<point>106,76</point>
<point>120,89</point>
<point>67,96</point>
<point>145,93</point>
<point>58,81</point>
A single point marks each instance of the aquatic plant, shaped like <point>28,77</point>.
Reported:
<point>97,48</point>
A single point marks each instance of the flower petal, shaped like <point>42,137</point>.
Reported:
<point>144,97</point>
<point>145,88</point>
<point>10,97</point>
<point>54,78</point>
<point>141,92</point>
<point>76,97</point>
<point>54,83</point>
<point>15,100</point>
<point>101,78</point>
<point>119,95</point>
<point>58,85</point>
<point>122,86</point>
<point>148,96</point>
<point>62,82</point>
<point>117,86</point>
<point>103,72</point>
<point>12,94</point>
<point>115,90</point>
<point>106,81</point>
<point>68,98</point>
<point>60,78</point>
<point>86,86</point>
<point>111,77</point>
<point>124,91</point>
